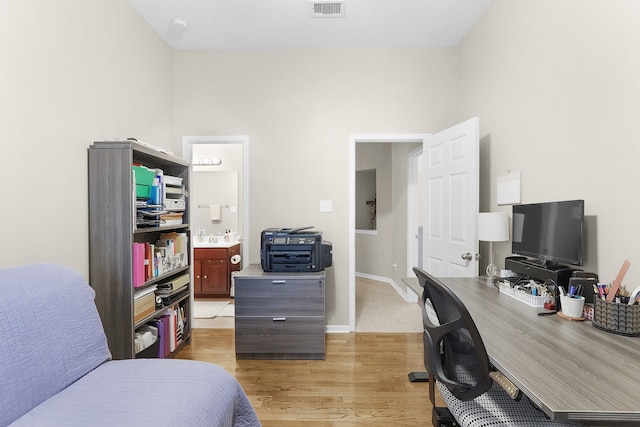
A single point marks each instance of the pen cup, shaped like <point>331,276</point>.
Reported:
<point>623,319</point>
<point>572,307</point>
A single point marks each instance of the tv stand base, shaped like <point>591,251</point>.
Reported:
<point>560,274</point>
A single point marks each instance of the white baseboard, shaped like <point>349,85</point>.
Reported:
<point>337,329</point>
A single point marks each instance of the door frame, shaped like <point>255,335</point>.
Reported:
<point>187,151</point>
<point>353,140</point>
<point>413,180</point>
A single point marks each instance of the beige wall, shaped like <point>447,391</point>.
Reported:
<point>555,85</point>
<point>557,88</point>
<point>73,71</point>
<point>373,249</point>
<point>298,108</point>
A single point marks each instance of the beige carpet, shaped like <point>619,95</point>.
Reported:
<point>379,308</point>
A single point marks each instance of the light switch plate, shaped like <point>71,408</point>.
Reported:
<point>326,206</point>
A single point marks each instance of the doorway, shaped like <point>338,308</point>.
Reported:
<point>450,171</point>
<point>219,170</point>
<point>239,165</point>
<point>353,140</point>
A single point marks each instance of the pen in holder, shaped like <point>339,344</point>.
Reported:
<point>623,319</point>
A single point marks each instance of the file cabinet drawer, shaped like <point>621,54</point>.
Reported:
<point>291,297</point>
<point>280,337</point>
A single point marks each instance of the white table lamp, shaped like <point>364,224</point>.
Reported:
<point>493,227</point>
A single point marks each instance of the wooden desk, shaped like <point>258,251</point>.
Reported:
<point>569,369</point>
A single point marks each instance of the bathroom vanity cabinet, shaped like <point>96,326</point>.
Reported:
<point>212,267</point>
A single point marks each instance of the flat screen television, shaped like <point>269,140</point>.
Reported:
<point>551,232</point>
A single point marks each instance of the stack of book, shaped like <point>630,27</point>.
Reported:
<point>172,290</point>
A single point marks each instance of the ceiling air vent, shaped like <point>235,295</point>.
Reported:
<point>328,9</point>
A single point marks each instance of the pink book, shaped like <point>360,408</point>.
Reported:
<point>138,264</point>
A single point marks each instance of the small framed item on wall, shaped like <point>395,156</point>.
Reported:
<point>508,192</point>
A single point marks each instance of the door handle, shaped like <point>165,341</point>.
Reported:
<point>279,319</point>
<point>467,256</point>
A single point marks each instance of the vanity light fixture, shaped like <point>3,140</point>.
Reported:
<point>216,161</point>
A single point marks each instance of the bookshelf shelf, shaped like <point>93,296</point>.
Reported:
<point>113,233</point>
<point>158,312</point>
<point>162,228</point>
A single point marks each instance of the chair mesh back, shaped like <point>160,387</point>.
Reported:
<point>454,351</point>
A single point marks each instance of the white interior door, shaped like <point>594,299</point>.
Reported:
<point>451,201</point>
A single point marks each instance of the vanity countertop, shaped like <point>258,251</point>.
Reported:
<point>197,245</point>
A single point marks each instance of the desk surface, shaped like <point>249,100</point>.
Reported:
<point>570,369</point>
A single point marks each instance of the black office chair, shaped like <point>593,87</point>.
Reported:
<point>457,363</point>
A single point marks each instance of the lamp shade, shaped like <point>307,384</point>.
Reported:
<point>493,226</point>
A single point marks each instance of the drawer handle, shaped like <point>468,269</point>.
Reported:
<point>278,282</point>
<point>279,319</point>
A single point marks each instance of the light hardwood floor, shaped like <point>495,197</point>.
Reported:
<point>362,381</point>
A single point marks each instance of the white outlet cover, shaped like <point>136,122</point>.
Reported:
<point>326,206</point>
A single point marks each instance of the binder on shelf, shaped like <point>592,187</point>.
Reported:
<point>138,264</point>
<point>172,331</point>
<point>149,249</point>
<point>159,324</point>
<point>165,347</point>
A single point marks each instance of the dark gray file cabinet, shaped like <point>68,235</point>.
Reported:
<point>279,315</point>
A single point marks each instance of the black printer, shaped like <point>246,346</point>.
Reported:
<point>294,250</point>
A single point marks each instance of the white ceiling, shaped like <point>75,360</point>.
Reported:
<point>274,24</point>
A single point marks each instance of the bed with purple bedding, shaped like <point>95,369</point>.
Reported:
<point>56,369</point>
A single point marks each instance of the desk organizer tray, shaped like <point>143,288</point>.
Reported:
<point>527,298</point>
<point>623,319</point>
